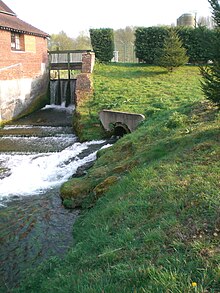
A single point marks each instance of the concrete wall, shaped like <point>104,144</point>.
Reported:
<point>110,118</point>
<point>17,95</point>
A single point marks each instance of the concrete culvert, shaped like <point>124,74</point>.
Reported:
<point>121,129</point>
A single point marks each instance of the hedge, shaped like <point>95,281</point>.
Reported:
<point>197,41</point>
<point>102,41</point>
<point>148,41</point>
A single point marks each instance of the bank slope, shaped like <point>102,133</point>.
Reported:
<point>156,228</point>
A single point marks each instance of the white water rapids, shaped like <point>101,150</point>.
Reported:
<point>33,173</point>
<point>40,161</point>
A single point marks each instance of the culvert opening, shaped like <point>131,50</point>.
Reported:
<point>120,130</point>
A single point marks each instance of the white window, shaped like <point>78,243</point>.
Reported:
<point>15,42</point>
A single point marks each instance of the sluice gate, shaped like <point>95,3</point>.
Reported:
<point>65,67</point>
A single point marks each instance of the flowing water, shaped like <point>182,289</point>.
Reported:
<point>35,159</point>
<point>62,91</point>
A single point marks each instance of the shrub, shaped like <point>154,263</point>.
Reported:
<point>197,41</point>
<point>176,120</point>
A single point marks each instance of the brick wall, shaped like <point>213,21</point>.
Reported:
<point>22,64</point>
<point>84,85</point>
<point>88,62</point>
<point>23,75</point>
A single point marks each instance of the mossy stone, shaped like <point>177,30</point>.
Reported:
<point>76,190</point>
<point>104,185</point>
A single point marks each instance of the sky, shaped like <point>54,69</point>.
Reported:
<point>74,17</point>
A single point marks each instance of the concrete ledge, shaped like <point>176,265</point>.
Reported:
<point>117,118</point>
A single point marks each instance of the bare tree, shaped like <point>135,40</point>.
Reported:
<point>60,42</point>
<point>124,44</point>
<point>206,21</point>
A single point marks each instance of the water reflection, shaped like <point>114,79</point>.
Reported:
<point>33,229</point>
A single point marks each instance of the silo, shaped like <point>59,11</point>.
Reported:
<point>186,19</point>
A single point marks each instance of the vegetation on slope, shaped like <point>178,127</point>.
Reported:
<point>142,89</point>
<point>157,227</point>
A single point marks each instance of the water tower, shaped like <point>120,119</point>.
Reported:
<point>186,19</point>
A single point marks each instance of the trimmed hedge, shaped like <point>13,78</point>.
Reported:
<point>148,40</point>
<point>197,41</point>
<point>102,41</point>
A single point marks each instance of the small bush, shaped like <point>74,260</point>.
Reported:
<point>176,120</point>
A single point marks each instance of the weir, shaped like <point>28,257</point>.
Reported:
<point>62,92</point>
<point>69,75</point>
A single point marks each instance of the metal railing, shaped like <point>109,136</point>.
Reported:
<point>62,57</point>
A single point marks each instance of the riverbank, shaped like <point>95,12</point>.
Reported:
<point>37,154</point>
<point>151,211</point>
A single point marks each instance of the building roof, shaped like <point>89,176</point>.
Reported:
<point>9,21</point>
<point>5,9</point>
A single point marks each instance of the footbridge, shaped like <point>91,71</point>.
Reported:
<point>120,123</point>
<point>70,60</point>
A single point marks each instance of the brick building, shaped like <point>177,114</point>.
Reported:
<point>23,65</point>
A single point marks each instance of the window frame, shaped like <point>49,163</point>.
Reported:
<point>16,42</point>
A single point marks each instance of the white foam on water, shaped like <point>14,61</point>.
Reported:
<point>34,173</point>
<point>61,107</point>
<point>23,126</point>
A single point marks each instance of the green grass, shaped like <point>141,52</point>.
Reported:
<point>157,228</point>
<point>142,89</point>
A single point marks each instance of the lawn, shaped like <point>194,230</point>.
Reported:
<point>141,89</point>
<point>151,218</point>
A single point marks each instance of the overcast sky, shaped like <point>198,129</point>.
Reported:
<point>72,16</point>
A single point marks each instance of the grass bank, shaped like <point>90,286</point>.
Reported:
<point>151,221</point>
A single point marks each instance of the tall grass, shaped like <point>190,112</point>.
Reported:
<point>157,229</point>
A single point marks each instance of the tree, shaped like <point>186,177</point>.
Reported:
<point>173,54</point>
<point>60,42</point>
<point>216,11</point>
<point>82,42</point>
<point>124,43</point>
<point>211,74</point>
<point>205,21</point>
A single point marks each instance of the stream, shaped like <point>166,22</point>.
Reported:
<point>37,154</point>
